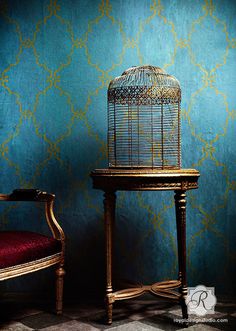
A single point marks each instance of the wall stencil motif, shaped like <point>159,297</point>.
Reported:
<point>56,61</point>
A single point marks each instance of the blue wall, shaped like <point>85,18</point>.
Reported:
<point>56,60</point>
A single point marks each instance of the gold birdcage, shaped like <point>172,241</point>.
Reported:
<point>144,119</point>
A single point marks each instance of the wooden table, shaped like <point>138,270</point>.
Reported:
<point>112,180</point>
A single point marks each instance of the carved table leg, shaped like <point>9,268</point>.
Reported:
<point>109,215</point>
<point>180,206</point>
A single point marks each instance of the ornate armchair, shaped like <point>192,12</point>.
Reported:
<point>22,252</point>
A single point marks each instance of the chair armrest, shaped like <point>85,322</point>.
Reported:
<point>38,196</point>
<point>25,195</point>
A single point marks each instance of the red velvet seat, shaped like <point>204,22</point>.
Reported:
<point>23,252</point>
<point>18,247</point>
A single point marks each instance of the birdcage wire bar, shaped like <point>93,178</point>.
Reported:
<point>144,120</point>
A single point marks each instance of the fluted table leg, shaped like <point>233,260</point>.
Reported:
<point>109,217</point>
<point>180,206</point>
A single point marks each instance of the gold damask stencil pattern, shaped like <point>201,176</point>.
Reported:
<point>57,60</point>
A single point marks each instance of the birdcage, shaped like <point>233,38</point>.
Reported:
<point>144,119</point>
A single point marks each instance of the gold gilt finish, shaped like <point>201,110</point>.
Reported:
<point>162,289</point>
<point>57,232</point>
<point>112,180</point>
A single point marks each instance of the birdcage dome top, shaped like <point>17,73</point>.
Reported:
<point>148,81</point>
<point>146,75</point>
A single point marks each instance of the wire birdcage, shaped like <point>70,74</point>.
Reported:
<point>144,119</point>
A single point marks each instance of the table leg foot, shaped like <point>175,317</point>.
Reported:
<point>184,309</point>
<point>109,313</point>
<point>184,292</point>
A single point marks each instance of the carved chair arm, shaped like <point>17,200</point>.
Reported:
<point>39,196</point>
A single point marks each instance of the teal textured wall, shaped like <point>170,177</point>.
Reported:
<point>56,60</point>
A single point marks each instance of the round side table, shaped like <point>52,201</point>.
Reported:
<point>112,180</point>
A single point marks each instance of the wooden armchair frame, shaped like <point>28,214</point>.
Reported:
<point>58,234</point>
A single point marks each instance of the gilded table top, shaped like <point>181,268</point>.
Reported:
<point>145,179</point>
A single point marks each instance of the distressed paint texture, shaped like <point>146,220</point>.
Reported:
<point>56,60</point>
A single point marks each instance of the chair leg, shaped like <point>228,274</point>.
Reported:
<point>60,272</point>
